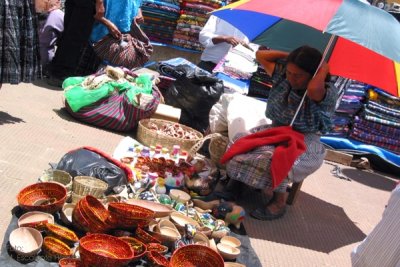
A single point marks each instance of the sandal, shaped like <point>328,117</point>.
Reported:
<point>264,214</point>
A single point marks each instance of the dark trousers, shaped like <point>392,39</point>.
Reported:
<point>207,65</point>
<point>78,23</point>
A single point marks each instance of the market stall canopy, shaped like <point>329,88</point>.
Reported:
<point>366,38</point>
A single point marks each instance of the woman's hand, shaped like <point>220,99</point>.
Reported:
<point>114,30</point>
<point>139,17</point>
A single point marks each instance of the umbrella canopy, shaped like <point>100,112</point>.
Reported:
<point>367,45</point>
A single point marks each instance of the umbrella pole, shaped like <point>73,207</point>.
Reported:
<point>324,56</point>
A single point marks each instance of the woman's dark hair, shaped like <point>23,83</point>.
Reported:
<point>305,57</point>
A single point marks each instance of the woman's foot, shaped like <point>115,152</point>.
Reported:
<point>274,210</point>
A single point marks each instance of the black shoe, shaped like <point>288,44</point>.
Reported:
<point>55,81</point>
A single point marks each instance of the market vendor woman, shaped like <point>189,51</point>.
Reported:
<point>293,76</point>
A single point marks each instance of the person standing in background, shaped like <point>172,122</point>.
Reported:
<point>51,26</point>
<point>78,22</point>
<point>217,37</point>
<point>19,42</point>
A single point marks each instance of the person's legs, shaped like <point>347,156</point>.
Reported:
<point>78,22</point>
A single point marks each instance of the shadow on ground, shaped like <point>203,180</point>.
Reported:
<point>329,229</point>
<point>371,179</point>
<point>43,83</point>
<point>6,118</point>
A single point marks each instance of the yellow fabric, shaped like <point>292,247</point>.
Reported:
<point>397,72</point>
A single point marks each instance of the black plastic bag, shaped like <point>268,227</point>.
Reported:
<point>195,91</point>
<point>92,163</point>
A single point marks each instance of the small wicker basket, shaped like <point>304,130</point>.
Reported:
<point>150,137</point>
<point>217,148</point>
<point>86,185</point>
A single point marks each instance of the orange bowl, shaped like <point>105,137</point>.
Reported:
<point>86,222</point>
<point>95,211</point>
<point>145,237</point>
<point>104,250</point>
<point>157,247</point>
<point>55,249</point>
<point>70,262</point>
<point>62,233</point>
<point>196,255</point>
<point>139,249</point>
<point>127,215</point>
<point>157,259</point>
<point>46,197</point>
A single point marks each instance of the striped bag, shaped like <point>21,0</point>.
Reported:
<point>116,112</point>
<point>133,50</point>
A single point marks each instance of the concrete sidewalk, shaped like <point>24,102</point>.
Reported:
<point>330,217</point>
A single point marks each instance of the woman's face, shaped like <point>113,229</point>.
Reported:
<point>297,77</point>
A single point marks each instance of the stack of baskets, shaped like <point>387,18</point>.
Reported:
<point>217,148</point>
<point>86,185</point>
<point>150,137</point>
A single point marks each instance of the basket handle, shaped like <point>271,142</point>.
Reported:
<point>193,150</point>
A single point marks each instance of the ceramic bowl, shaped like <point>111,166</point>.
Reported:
<point>145,237</point>
<point>160,210</point>
<point>128,216</point>
<point>62,233</point>
<point>201,239</point>
<point>234,264</point>
<point>196,255</point>
<point>230,241</point>
<point>137,246</point>
<point>179,196</point>
<point>45,197</point>
<point>95,210</point>
<point>66,213</point>
<point>87,220</point>
<point>180,220</point>
<point>35,219</point>
<point>26,241</point>
<point>70,262</point>
<point>157,247</point>
<point>157,259</point>
<point>104,250</point>
<point>228,252</point>
<point>54,249</point>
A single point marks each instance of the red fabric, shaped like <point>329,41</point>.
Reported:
<point>353,61</point>
<point>289,146</point>
<point>298,11</point>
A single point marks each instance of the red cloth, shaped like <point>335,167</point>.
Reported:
<point>289,146</point>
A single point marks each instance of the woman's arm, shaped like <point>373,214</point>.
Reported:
<point>99,10</point>
<point>316,89</point>
<point>268,58</point>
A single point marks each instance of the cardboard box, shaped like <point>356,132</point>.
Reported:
<point>167,112</point>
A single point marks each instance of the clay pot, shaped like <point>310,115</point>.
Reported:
<point>138,247</point>
<point>35,219</point>
<point>196,255</point>
<point>62,233</point>
<point>26,241</point>
<point>55,249</point>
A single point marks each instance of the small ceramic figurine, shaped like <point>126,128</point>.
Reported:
<point>160,186</point>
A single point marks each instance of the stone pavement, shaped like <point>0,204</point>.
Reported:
<point>330,217</point>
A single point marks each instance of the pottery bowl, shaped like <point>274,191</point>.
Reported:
<point>127,215</point>
<point>104,250</point>
<point>179,196</point>
<point>70,262</point>
<point>234,264</point>
<point>167,231</point>
<point>62,233</point>
<point>159,209</point>
<point>35,219</point>
<point>201,239</point>
<point>26,241</point>
<point>54,249</point>
<point>196,255</point>
<point>157,259</point>
<point>145,237</point>
<point>157,247</point>
<point>88,221</point>
<point>180,220</point>
<point>137,246</point>
<point>228,252</point>
<point>46,197</point>
<point>66,213</point>
<point>230,241</point>
<point>95,210</point>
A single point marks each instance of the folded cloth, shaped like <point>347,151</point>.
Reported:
<point>289,146</point>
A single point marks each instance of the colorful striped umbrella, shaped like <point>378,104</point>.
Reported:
<point>367,40</point>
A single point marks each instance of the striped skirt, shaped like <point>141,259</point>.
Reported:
<point>19,43</point>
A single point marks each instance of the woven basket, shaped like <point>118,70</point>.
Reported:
<point>150,137</point>
<point>86,185</point>
<point>217,148</point>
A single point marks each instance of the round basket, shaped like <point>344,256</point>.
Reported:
<point>86,185</point>
<point>150,137</point>
<point>217,148</point>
